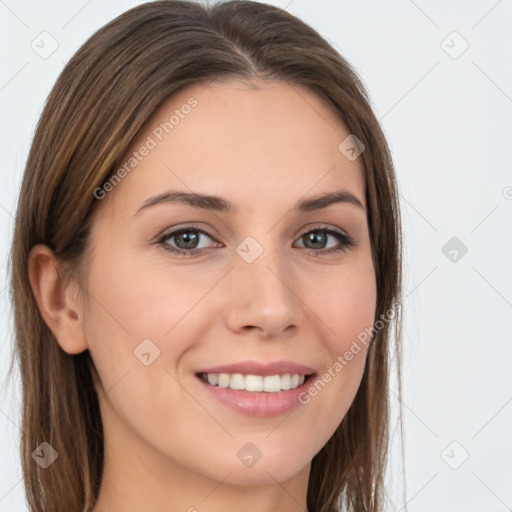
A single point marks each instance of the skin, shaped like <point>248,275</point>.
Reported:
<point>168,445</point>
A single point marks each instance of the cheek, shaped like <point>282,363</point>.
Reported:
<point>346,307</point>
<point>346,304</point>
<point>131,302</point>
<point>138,300</point>
<point>122,312</point>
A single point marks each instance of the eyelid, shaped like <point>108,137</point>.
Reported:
<point>170,233</point>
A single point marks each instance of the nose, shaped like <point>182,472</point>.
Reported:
<point>263,297</point>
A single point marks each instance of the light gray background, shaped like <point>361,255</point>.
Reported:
<point>449,124</point>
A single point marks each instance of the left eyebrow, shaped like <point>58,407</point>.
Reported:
<point>324,200</point>
<point>219,204</point>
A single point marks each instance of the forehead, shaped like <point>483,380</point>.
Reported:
<point>246,141</point>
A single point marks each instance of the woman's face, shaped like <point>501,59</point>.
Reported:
<point>260,283</point>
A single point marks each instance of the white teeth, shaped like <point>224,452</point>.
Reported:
<point>237,381</point>
<point>223,380</point>
<point>286,381</point>
<point>272,383</point>
<point>256,383</point>
<point>253,383</point>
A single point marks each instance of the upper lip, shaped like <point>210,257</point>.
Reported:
<point>257,368</point>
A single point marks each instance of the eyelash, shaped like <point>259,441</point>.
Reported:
<point>346,241</point>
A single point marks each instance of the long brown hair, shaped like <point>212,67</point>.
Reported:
<point>101,101</point>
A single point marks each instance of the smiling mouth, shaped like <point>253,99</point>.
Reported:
<point>255,383</point>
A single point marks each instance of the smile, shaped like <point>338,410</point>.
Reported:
<point>254,383</point>
<point>260,396</point>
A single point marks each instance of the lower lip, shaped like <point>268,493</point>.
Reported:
<point>260,404</point>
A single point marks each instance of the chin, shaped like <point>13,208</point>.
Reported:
<point>262,476</point>
<point>263,472</point>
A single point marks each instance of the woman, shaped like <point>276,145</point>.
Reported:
<point>206,269</point>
